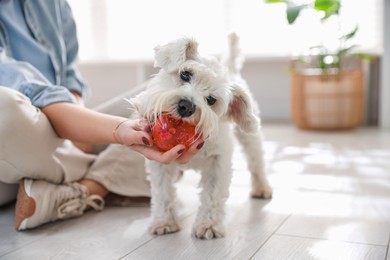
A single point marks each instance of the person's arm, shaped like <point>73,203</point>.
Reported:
<point>81,124</point>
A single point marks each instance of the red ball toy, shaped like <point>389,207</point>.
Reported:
<point>168,132</point>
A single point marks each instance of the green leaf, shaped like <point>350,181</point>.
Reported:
<point>322,63</point>
<point>293,12</point>
<point>345,51</point>
<point>325,5</point>
<point>349,35</point>
<point>330,7</point>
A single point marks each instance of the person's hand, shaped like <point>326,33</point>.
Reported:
<point>132,134</point>
<point>177,154</point>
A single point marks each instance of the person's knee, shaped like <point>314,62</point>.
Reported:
<point>12,107</point>
<point>8,99</point>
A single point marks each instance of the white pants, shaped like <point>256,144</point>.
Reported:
<point>29,148</point>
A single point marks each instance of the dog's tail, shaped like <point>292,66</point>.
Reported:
<point>234,58</point>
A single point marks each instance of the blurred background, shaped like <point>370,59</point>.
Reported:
<point>117,38</point>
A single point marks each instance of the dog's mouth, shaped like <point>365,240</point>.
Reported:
<point>183,111</point>
<point>156,118</point>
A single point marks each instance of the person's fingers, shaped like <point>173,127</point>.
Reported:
<point>130,133</point>
<point>194,148</point>
<point>144,139</point>
<point>147,128</point>
<point>178,154</point>
<point>137,138</point>
<point>152,153</point>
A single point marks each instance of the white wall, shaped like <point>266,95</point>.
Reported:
<point>110,79</point>
<point>267,77</point>
<point>270,84</point>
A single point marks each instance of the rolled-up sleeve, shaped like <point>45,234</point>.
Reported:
<point>74,82</point>
<point>42,96</point>
<point>24,78</point>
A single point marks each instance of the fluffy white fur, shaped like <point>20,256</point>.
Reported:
<point>220,80</point>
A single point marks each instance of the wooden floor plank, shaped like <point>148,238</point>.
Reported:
<point>297,248</point>
<point>248,226</point>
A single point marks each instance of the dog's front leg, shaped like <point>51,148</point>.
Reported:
<point>164,218</point>
<point>215,184</point>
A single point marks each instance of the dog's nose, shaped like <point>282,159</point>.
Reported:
<point>185,108</point>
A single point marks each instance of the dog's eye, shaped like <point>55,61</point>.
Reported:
<point>211,100</point>
<point>185,75</point>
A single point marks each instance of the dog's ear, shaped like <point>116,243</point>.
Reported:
<point>241,110</point>
<point>170,56</point>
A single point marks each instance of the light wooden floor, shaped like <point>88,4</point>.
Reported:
<point>331,201</point>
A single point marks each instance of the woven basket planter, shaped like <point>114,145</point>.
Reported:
<point>327,101</point>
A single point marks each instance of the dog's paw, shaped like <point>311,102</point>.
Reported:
<point>164,227</point>
<point>204,231</point>
<point>262,192</point>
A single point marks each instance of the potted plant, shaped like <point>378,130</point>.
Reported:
<point>327,84</point>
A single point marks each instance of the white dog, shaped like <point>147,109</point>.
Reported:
<point>212,95</point>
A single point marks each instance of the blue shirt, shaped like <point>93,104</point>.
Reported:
<point>20,36</point>
<point>38,49</point>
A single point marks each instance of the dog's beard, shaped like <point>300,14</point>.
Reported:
<point>152,104</point>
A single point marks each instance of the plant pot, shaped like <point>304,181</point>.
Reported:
<point>327,101</point>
